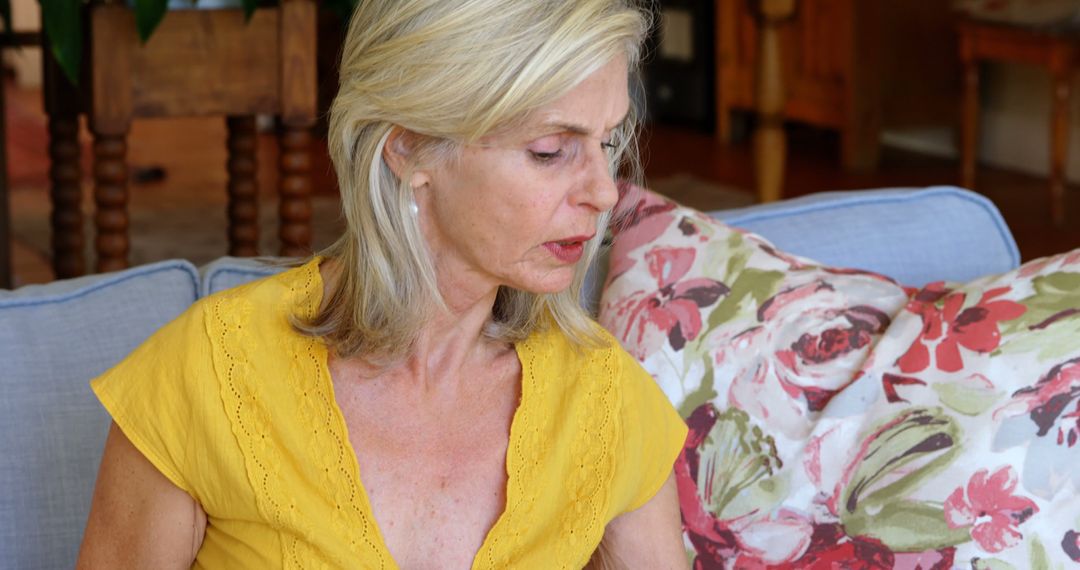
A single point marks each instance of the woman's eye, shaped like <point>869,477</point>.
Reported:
<point>545,156</point>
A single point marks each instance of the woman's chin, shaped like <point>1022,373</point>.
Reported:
<point>548,284</point>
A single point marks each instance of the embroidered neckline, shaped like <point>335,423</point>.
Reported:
<point>345,460</point>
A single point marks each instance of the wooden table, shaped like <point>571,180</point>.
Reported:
<point>197,62</point>
<point>1054,50</point>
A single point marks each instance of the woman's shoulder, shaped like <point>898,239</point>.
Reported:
<point>270,299</point>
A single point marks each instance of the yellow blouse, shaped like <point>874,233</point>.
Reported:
<point>237,409</point>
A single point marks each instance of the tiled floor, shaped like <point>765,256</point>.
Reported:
<point>192,153</point>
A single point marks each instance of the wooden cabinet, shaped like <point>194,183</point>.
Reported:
<point>852,65</point>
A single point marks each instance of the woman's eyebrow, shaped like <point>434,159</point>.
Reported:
<point>577,129</point>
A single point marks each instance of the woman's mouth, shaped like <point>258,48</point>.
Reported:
<point>568,250</point>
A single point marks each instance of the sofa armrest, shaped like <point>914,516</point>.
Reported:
<point>53,339</point>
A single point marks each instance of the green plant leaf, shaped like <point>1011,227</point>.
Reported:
<point>908,526</point>
<point>62,23</point>
<point>148,14</point>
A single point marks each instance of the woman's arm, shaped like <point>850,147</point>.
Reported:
<point>648,537</point>
<point>138,518</point>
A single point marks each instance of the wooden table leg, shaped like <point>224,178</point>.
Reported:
<point>110,197</point>
<point>969,125</point>
<point>770,141</point>
<point>1059,142</point>
<point>62,103</point>
<point>295,191</point>
<point>65,183</point>
<point>243,188</point>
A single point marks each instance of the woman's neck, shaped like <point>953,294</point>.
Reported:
<point>451,343</point>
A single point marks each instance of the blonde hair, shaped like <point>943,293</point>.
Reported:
<point>451,72</point>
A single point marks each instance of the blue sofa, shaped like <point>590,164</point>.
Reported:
<point>54,338</point>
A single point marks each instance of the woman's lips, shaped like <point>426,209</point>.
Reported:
<point>568,250</point>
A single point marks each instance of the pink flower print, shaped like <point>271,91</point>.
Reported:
<point>673,310</point>
<point>922,303</point>
<point>807,345</point>
<point>990,509</point>
<point>1053,401</point>
<point>640,218</point>
<point>974,328</point>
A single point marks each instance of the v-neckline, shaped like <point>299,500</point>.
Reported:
<point>341,428</point>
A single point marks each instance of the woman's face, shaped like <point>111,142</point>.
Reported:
<point>516,209</point>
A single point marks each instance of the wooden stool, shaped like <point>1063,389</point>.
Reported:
<point>197,62</point>
<point>1056,51</point>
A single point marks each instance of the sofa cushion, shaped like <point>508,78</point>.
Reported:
<point>53,339</point>
<point>915,236</point>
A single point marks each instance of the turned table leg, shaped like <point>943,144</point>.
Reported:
<point>62,102</point>
<point>110,197</point>
<point>65,176</point>
<point>243,188</point>
<point>295,191</point>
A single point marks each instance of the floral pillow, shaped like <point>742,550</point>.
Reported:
<point>837,418</point>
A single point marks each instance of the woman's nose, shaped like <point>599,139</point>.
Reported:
<point>599,191</point>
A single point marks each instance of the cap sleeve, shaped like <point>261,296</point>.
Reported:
<point>654,435</point>
<point>164,391</point>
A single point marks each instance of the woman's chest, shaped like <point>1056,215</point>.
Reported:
<point>435,481</point>
<point>434,511</point>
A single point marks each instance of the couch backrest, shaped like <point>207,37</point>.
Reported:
<point>915,236</point>
<point>53,339</point>
<point>912,235</point>
<point>228,272</point>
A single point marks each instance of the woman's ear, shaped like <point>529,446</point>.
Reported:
<point>399,152</point>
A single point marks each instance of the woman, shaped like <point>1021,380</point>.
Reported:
<point>427,393</point>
